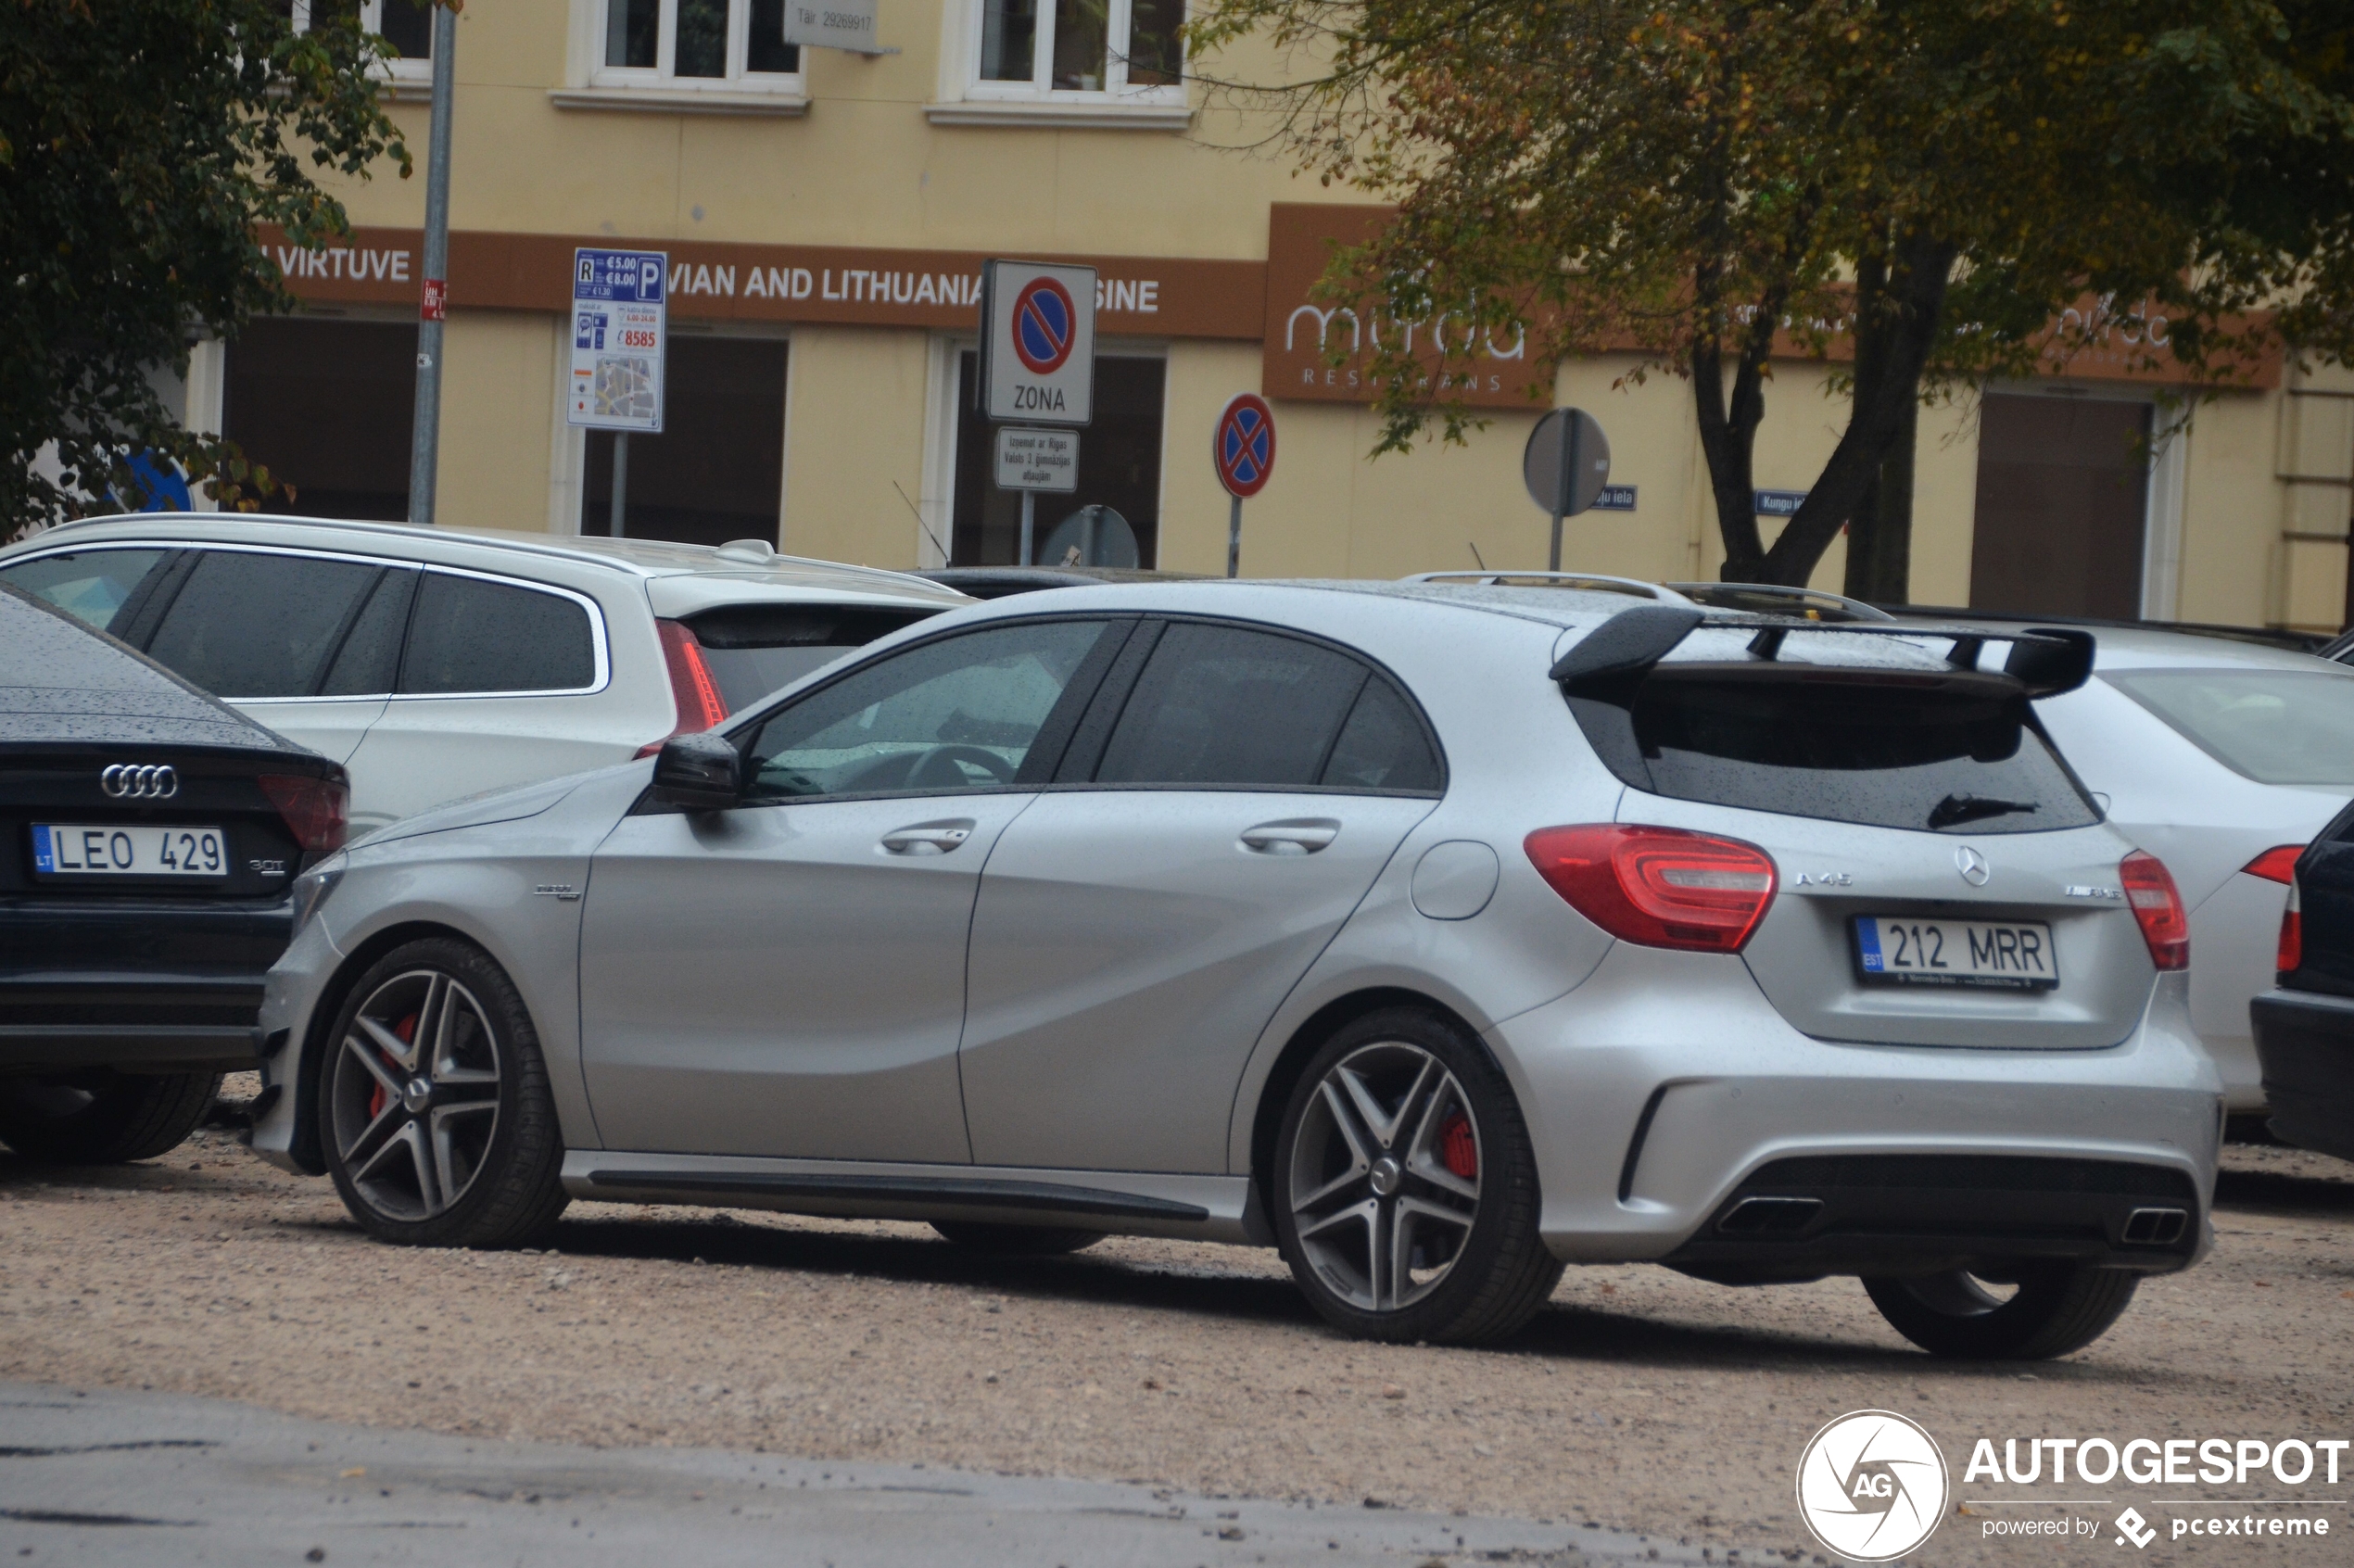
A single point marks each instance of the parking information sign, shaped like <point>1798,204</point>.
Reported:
<point>618,331</point>
<point>1037,459</point>
<point>1037,342</point>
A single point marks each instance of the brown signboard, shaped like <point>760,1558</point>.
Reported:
<point>1304,333</point>
<point>1142,295</point>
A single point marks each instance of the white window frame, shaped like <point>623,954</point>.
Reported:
<point>662,78</point>
<point>972,99</point>
<point>400,74</point>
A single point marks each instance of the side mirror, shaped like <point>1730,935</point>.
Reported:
<point>702,772</point>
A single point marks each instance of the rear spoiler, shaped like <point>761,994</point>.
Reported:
<point>1612,658</point>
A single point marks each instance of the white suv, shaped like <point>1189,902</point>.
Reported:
<point>435,664</point>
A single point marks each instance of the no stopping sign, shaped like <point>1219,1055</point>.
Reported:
<point>1244,448</point>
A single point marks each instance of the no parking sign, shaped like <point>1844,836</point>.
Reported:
<point>1038,341</point>
<point>1243,450</point>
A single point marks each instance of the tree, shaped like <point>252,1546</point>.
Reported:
<point>1913,190</point>
<point>141,143</point>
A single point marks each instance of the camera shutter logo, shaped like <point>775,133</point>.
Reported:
<point>129,781</point>
<point>1872,1486</point>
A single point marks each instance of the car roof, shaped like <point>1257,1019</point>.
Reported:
<point>749,562</point>
<point>2141,648</point>
<point>64,682</point>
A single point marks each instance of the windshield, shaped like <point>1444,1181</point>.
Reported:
<point>2276,727</point>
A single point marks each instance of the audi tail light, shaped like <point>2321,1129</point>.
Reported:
<point>2276,864</point>
<point>2291,955</point>
<point>317,811</point>
<point>1659,887</point>
<point>693,689</point>
<point>2166,925</point>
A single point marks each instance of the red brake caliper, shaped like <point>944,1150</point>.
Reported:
<point>1457,1149</point>
<point>407,1030</point>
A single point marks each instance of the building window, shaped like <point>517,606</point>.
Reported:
<point>406,25</point>
<point>711,44</point>
<point>717,470</point>
<point>1036,49</point>
<point>328,407</point>
<point>1113,519</point>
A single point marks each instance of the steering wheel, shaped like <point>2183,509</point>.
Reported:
<point>938,769</point>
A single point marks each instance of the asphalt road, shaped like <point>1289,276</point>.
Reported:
<point>94,1479</point>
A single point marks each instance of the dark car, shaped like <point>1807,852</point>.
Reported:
<point>1000,582</point>
<point>2305,1024</point>
<point>149,840</point>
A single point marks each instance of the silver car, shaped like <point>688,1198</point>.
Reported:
<point>1438,935</point>
<point>435,663</point>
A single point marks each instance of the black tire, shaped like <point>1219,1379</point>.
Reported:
<point>1489,1266</point>
<point>1017,1241</point>
<point>124,1116</point>
<point>2057,1307</point>
<point>507,1179</point>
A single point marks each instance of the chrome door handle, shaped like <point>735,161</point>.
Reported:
<point>1303,835</point>
<point>928,838</point>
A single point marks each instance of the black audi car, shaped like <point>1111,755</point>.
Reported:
<point>149,840</point>
<point>2305,1025</point>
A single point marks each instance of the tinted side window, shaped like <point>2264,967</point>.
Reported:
<point>250,624</point>
<point>1220,707</point>
<point>468,634</point>
<point>91,585</point>
<point>1383,746</point>
<point>370,659</point>
<point>945,717</point>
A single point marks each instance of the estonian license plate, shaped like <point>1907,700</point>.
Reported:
<point>74,850</point>
<point>2013,955</point>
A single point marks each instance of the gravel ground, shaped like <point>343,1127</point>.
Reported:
<point>1640,1400</point>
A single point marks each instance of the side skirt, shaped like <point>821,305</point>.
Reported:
<point>1131,1203</point>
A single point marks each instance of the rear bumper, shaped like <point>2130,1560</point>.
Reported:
<point>1666,1090</point>
<point>150,985</point>
<point>2305,1041</point>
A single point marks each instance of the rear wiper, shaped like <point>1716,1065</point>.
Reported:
<point>1970,808</point>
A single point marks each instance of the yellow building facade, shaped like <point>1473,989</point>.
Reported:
<point>825,214</point>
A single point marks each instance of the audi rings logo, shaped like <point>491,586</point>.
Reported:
<point>1872,1486</point>
<point>136,782</point>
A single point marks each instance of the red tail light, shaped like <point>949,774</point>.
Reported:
<point>2275,865</point>
<point>316,810</point>
<point>692,689</point>
<point>2166,925</point>
<point>1660,887</point>
<point>2291,955</point>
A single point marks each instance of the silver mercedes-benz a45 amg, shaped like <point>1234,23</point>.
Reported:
<point>1440,935</point>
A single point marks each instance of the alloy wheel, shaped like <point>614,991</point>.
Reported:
<point>1383,1184</point>
<point>415,1094</point>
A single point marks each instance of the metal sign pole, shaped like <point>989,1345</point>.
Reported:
<point>619,524</point>
<point>1234,534</point>
<point>1029,521</point>
<point>1569,455</point>
<point>424,445</point>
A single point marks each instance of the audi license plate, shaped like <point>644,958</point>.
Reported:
<point>77,850</point>
<point>2007,955</point>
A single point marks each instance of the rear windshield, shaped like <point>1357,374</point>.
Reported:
<point>2276,727</point>
<point>746,675</point>
<point>1846,751</point>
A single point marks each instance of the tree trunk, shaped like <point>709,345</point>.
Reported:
<point>1887,399</point>
<point>1879,536</point>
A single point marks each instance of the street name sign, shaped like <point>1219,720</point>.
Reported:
<point>619,337</point>
<point>1037,342</point>
<point>1037,459</point>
